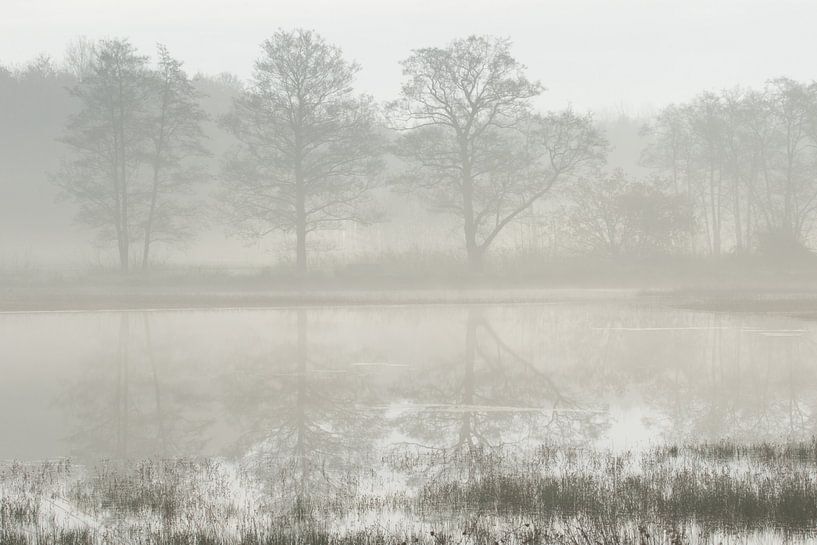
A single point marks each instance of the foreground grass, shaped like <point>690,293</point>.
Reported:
<point>722,493</point>
<point>718,485</point>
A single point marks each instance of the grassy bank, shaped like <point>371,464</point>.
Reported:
<point>730,283</point>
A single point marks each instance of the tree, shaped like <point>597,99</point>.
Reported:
<point>614,215</point>
<point>753,149</point>
<point>80,56</point>
<point>175,136</point>
<point>707,128</point>
<point>472,144</point>
<point>794,159</point>
<point>670,150</point>
<point>108,138</point>
<point>691,142</point>
<point>133,138</point>
<point>309,150</point>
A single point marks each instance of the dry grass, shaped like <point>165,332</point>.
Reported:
<point>718,493</point>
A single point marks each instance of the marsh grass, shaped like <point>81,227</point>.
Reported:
<point>718,485</point>
<point>708,493</point>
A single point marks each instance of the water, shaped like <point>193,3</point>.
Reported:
<point>388,422</point>
<point>341,386</point>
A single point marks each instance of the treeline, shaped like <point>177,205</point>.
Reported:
<point>147,159</point>
<point>746,162</point>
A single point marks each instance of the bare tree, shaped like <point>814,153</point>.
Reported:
<point>309,149</point>
<point>794,114</point>
<point>473,146</point>
<point>80,56</point>
<point>108,138</point>
<point>175,137</point>
<point>616,215</point>
<point>709,128</point>
<point>670,150</point>
<point>751,149</point>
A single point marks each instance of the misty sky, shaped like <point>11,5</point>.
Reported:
<point>608,55</point>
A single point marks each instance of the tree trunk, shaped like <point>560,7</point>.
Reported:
<point>122,221</point>
<point>123,254</point>
<point>747,239</point>
<point>149,222</point>
<point>154,193</point>
<point>475,262</point>
<point>714,202</point>
<point>737,215</point>
<point>691,210</point>
<point>473,251</point>
<point>300,207</point>
<point>124,238</point>
<point>300,230</point>
<point>788,223</point>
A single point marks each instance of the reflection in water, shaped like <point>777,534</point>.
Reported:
<point>321,418</point>
<point>122,406</point>
<point>725,382</point>
<point>304,426</point>
<point>486,399</point>
<point>317,390</point>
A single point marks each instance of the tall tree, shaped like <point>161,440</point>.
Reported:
<point>108,138</point>
<point>707,128</point>
<point>670,150</point>
<point>794,114</point>
<point>473,146</point>
<point>175,136</point>
<point>80,56</point>
<point>751,149</point>
<point>738,162</point>
<point>309,149</point>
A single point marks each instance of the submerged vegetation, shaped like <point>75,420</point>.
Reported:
<point>709,493</point>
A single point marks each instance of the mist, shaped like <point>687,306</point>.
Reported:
<point>435,272</point>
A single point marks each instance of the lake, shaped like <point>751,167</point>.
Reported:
<point>530,423</point>
<point>346,380</point>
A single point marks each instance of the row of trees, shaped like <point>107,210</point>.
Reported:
<point>746,162</point>
<point>132,141</point>
<point>309,149</point>
<point>732,171</point>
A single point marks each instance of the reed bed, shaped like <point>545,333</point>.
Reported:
<point>695,494</point>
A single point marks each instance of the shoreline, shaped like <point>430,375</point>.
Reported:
<point>785,300</point>
<point>41,300</point>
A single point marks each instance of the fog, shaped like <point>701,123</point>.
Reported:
<point>633,55</point>
<point>386,272</point>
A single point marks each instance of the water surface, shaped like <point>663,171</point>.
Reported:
<point>333,386</point>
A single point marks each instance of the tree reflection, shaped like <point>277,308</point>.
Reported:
<point>720,379</point>
<point>490,399</point>
<point>131,402</point>
<point>306,422</point>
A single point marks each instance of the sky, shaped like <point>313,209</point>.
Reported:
<point>613,56</point>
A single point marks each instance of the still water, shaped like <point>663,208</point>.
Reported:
<point>340,384</point>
